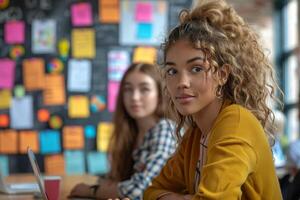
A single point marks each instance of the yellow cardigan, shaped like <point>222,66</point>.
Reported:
<point>239,162</point>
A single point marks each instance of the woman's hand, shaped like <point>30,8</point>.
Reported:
<point>81,190</point>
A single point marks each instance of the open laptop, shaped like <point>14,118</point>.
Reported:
<point>17,188</point>
<point>37,173</point>
<point>39,179</point>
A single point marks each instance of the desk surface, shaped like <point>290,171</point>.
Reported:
<point>67,183</point>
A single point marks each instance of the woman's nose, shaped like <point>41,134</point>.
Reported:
<point>183,80</point>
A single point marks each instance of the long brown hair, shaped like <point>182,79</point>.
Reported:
<point>214,27</point>
<point>125,131</point>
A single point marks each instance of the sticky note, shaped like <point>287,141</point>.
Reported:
<point>83,43</point>
<point>143,12</point>
<point>104,133</point>
<point>7,73</point>
<point>97,163</point>
<point>109,14</point>
<point>4,120</point>
<point>54,164</point>
<point>54,92</point>
<point>81,14</point>
<point>113,90</point>
<point>118,62</point>
<point>79,75</point>
<point>144,31</point>
<point>5,99</point>
<point>145,54</point>
<point>8,142</point>
<point>21,113</point>
<point>50,142</point>
<point>14,32</point>
<point>78,106</point>
<point>28,139</point>
<point>43,39</point>
<point>73,137</point>
<point>4,165</point>
<point>74,162</point>
<point>34,74</point>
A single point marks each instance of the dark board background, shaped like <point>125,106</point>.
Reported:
<point>107,36</point>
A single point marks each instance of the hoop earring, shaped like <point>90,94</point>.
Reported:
<point>219,93</point>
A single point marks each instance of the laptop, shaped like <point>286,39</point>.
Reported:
<point>37,173</point>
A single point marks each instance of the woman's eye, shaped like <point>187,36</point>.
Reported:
<point>197,69</point>
<point>145,89</point>
<point>127,89</point>
<point>171,71</point>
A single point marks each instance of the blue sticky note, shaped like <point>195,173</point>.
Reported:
<point>144,31</point>
<point>90,131</point>
<point>50,142</point>
<point>4,165</point>
<point>97,163</point>
<point>74,162</point>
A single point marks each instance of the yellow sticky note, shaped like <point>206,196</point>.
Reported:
<point>5,99</point>
<point>145,54</point>
<point>83,43</point>
<point>104,133</point>
<point>78,107</point>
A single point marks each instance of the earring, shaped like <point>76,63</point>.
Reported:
<point>219,93</point>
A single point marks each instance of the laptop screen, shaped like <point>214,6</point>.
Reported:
<point>37,173</point>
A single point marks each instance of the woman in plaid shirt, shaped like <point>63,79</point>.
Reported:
<point>142,140</point>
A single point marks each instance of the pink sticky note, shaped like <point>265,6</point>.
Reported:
<point>113,90</point>
<point>143,12</point>
<point>81,14</point>
<point>14,32</point>
<point>7,71</point>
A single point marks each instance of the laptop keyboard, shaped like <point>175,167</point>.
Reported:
<point>24,186</point>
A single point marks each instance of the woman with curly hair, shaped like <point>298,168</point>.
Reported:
<point>218,81</point>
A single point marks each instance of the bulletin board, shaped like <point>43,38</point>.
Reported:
<point>60,67</point>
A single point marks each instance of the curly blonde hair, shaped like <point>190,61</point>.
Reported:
<point>226,39</point>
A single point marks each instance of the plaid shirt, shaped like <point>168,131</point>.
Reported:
<point>158,145</point>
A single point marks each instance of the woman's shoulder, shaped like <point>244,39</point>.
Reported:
<point>236,121</point>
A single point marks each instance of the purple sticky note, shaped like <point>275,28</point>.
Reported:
<point>143,12</point>
<point>14,32</point>
<point>81,14</point>
<point>7,73</point>
<point>113,90</point>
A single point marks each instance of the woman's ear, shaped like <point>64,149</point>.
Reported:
<point>223,74</point>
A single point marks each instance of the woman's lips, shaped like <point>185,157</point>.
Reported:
<point>185,99</point>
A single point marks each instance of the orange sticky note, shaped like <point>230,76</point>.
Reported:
<point>109,14</point>
<point>73,137</point>
<point>108,2</point>
<point>54,92</point>
<point>34,74</point>
<point>54,164</point>
<point>8,142</point>
<point>28,139</point>
<point>4,120</point>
